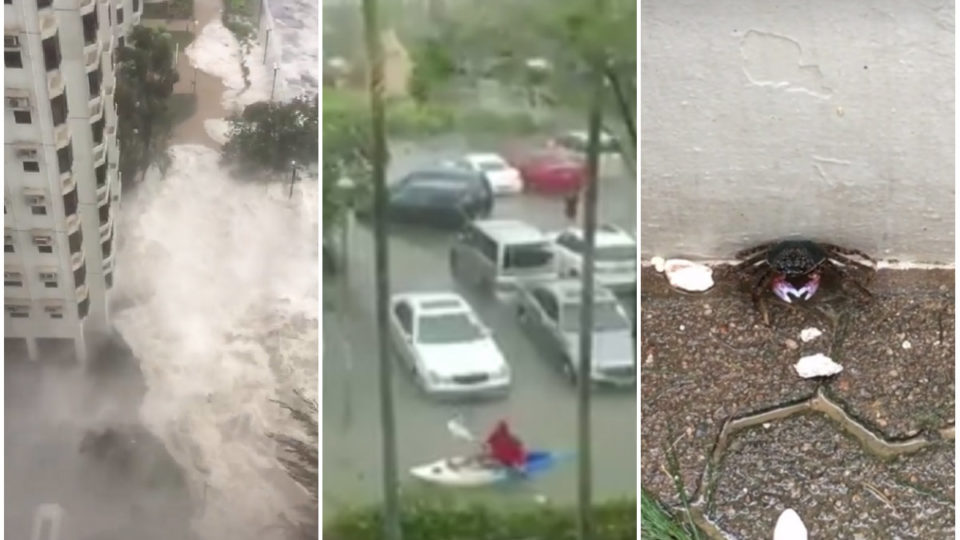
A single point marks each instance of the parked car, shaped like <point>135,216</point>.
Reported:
<point>577,141</point>
<point>446,347</point>
<point>615,256</point>
<point>495,254</point>
<point>443,197</point>
<point>504,179</point>
<point>551,171</point>
<point>550,311</point>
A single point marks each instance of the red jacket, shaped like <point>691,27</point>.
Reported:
<point>506,448</point>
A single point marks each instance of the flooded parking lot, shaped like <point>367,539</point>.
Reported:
<point>541,404</point>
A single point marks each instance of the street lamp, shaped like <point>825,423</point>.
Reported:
<point>276,67</point>
<point>293,176</point>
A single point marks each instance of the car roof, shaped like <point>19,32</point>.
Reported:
<point>434,302</point>
<point>510,230</point>
<point>607,235</point>
<point>441,173</point>
<point>568,290</point>
<point>484,156</point>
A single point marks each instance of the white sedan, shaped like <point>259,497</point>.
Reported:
<point>445,345</point>
<point>615,256</point>
<point>503,178</point>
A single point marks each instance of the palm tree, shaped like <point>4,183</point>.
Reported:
<point>381,268</point>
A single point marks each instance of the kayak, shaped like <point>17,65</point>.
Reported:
<point>469,472</point>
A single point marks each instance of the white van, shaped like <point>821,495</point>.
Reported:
<point>495,254</point>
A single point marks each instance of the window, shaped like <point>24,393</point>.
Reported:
<point>70,203</point>
<point>59,109</point>
<point>101,173</point>
<point>120,16</point>
<point>8,243</point>
<point>65,158</point>
<point>120,43</point>
<point>527,256</point>
<point>51,52</point>
<point>97,128</point>
<point>38,210</point>
<point>44,4</point>
<point>571,242</point>
<point>76,241</point>
<point>405,316</point>
<point>12,59</point>
<point>49,279</point>
<point>83,307</point>
<point>90,27</point>
<point>31,166</point>
<point>54,311</point>
<point>547,303</point>
<point>12,278</point>
<point>8,2</point>
<point>108,279</point>
<point>80,276</point>
<point>104,214</point>
<point>94,79</point>
<point>45,249</point>
<point>21,117</point>
<point>106,248</point>
<point>136,6</point>
<point>17,311</point>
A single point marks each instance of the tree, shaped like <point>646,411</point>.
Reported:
<point>145,78</point>
<point>432,67</point>
<point>347,152</point>
<point>269,135</point>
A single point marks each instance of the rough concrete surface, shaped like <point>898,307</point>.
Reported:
<point>708,359</point>
<point>831,120</point>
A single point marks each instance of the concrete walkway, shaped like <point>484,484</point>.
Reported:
<point>866,454</point>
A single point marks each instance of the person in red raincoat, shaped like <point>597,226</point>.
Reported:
<point>506,449</point>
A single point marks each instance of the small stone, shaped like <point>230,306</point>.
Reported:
<point>682,327</point>
<point>881,422</point>
<point>649,359</point>
<point>889,351</point>
<point>708,312</point>
<point>791,344</point>
<point>817,365</point>
<point>767,425</point>
<point>906,345</point>
<point>893,373</point>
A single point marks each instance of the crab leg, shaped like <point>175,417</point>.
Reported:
<point>843,255</point>
<point>758,293</point>
<point>846,279</point>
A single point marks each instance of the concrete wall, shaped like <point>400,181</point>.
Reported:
<point>830,120</point>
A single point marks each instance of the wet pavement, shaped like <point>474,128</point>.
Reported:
<point>871,456</point>
<point>48,408</point>
<point>541,405</point>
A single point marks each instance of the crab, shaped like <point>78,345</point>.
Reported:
<point>794,269</point>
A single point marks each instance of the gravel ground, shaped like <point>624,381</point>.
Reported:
<point>840,491</point>
<point>714,347</point>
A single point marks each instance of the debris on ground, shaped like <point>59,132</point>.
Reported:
<point>789,527</point>
<point>809,334</point>
<point>688,275</point>
<point>817,365</point>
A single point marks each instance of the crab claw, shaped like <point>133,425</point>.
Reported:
<point>788,293</point>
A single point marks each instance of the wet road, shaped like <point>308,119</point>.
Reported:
<point>542,406</point>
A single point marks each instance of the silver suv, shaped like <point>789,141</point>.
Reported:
<point>495,254</point>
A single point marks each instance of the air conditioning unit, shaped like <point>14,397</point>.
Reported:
<point>36,200</point>
<point>18,103</point>
<point>48,276</point>
<point>11,276</point>
<point>27,153</point>
<point>53,309</point>
<point>42,240</point>
<point>11,42</point>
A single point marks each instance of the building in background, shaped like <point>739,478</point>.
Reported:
<point>61,178</point>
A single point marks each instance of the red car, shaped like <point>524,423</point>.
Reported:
<point>551,171</point>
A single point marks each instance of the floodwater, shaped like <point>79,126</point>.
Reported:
<point>541,406</point>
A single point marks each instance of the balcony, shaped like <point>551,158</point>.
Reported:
<point>106,229</point>
<point>86,6</point>
<point>61,135</point>
<point>55,83</point>
<point>67,183</point>
<point>103,194</point>
<point>83,292</point>
<point>96,108</point>
<point>76,260</point>
<point>91,55</point>
<point>48,23</point>
<point>99,154</point>
<point>73,223</point>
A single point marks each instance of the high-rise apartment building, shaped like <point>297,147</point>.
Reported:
<point>61,177</point>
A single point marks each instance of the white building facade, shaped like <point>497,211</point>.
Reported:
<point>61,177</point>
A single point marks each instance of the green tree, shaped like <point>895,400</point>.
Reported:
<point>346,153</point>
<point>269,135</point>
<point>433,66</point>
<point>145,79</point>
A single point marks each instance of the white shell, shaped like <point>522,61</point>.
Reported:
<point>789,527</point>
<point>688,275</point>
<point>810,334</point>
<point>817,365</point>
<point>657,263</point>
